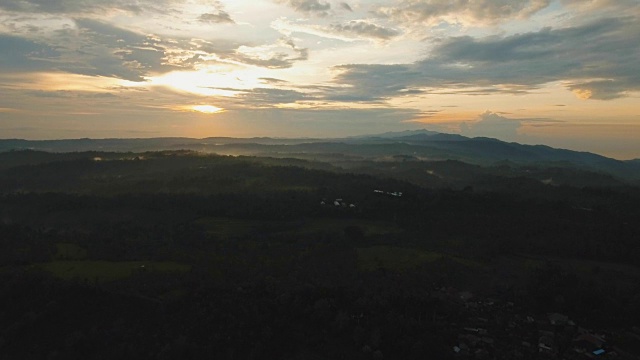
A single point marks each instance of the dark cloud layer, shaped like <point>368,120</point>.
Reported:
<point>83,6</point>
<point>97,48</point>
<point>598,59</point>
<point>94,48</point>
<point>219,17</point>
<point>265,97</point>
<point>217,14</point>
<point>345,6</point>
<point>373,82</point>
<point>114,52</point>
<point>19,54</point>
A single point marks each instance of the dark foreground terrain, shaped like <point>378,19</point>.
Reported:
<point>186,255</point>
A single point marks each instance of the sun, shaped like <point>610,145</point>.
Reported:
<point>207,109</point>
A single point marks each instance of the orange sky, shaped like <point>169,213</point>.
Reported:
<point>557,72</point>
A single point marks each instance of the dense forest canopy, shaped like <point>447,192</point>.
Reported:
<point>182,254</point>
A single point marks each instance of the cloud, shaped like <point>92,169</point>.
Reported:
<point>98,8</point>
<point>193,53</point>
<point>411,12</point>
<point>91,48</point>
<point>84,6</point>
<point>20,54</point>
<point>349,31</point>
<point>268,97</point>
<point>219,17</point>
<point>596,60</point>
<point>345,6</point>
<point>607,89</point>
<point>281,55</point>
<point>106,50</point>
<point>364,29</point>
<point>268,80</point>
<point>601,6</point>
<point>374,82</point>
<point>315,7</point>
<point>69,94</point>
<point>490,124</point>
<point>95,48</point>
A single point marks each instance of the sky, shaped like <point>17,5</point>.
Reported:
<point>564,73</point>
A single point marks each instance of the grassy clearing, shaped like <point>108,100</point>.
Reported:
<point>467,262</point>
<point>297,188</point>
<point>68,251</point>
<point>108,270</point>
<point>229,227</point>
<point>394,258</point>
<point>399,258</point>
<point>337,226</point>
<point>605,273</point>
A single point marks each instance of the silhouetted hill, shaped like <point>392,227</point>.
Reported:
<point>418,145</point>
<point>484,151</point>
<point>400,134</point>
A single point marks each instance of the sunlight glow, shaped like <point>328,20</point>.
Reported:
<point>59,81</point>
<point>207,109</point>
<point>211,82</point>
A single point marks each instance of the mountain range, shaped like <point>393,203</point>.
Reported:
<point>408,145</point>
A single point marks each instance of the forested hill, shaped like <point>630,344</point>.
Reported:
<point>416,145</point>
<point>186,255</point>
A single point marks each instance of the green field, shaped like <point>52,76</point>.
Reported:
<point>394,258</point>
<point>400,258</point>
<point>68,251</point>
<point>230,227</point>
<point>328,225</point>
<point>108,270</point>
<point>368,226</point>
